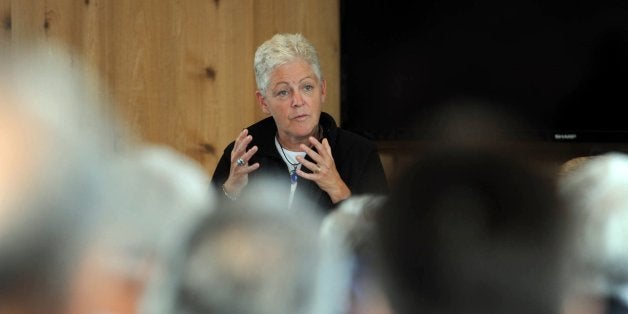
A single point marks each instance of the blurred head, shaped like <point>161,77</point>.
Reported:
<point>595,192</point>
<point>252,256</point>
<point>55,143</point>
<point>353,225</point>
<point>470,121</point>
<point>472,230</point>
<point>83,210</point>
<point>153,192</point>
<point>290,85</point>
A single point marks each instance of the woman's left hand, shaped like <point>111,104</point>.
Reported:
<point>324,171</point>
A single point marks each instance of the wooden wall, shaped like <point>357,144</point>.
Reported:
<point>179,72</point>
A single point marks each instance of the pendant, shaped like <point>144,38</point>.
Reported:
<point>293,176</point>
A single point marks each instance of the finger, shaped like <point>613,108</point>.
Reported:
<point>327,146</point>
<point>240,162</point>
<point>243,143</point>
<point>317,172</point>
<point>313,154</point>
<point>250,168</point>
<point>240,145</point>
<point>244,169</point>
<point>314,167</point>
<point>247,156</point>
<point>317,169</point>
<point>243,133</point>
<point>307,175</point>
<point>241,136</point>
<point>319,146</point>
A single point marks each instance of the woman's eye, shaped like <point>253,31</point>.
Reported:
<point>282,93</point>
<point>308,87</point>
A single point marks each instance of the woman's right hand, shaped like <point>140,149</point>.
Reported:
<point>239,172</point>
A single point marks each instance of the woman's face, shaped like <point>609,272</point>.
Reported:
<point>294,97</point>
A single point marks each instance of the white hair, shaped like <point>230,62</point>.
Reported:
<point>282,49</point>
<point>597,192</point>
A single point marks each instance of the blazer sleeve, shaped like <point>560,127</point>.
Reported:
<point>221,173</point>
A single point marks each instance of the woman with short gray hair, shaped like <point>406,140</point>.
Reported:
<point>299,143</point>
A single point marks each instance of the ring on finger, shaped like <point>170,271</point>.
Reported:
<point>240,162</point>
<point>317,170</point>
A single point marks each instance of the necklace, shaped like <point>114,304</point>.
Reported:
<point>293,171</point>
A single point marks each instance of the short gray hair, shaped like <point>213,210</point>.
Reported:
<point>279,50</point>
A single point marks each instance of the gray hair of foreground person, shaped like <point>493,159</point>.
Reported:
<point>473,230</point>
<point>153,192</point>
<point>157,190</point>
<point>279,50</point>
<point>55,139</point>
<point>352,225</point>
<point>597,193</point>
<point>251,256</point>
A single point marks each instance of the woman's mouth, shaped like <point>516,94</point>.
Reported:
<point>301,117</point>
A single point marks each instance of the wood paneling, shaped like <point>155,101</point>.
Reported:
<point>179,73</point>
<point>5,23</point>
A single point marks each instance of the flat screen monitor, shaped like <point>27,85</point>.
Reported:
<point>559,67</point>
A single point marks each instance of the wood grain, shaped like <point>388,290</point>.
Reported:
<point>179,73</point>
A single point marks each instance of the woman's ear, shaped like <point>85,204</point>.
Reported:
<point>323,90</point>
<point>261,100</point>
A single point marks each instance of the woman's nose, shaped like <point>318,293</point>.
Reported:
<point>297,99</point>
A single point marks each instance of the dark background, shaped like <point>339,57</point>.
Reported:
<point>559,67</point>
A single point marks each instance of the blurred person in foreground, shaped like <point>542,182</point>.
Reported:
<point>299,145</point>
<point>251,256</point>
<point>353,226</point>
<point>85,209</point>
<point>471,228</point>
<point>55,145</point>
<point>597,193</point>
<point>153,192</point>
<point>473,231</point>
